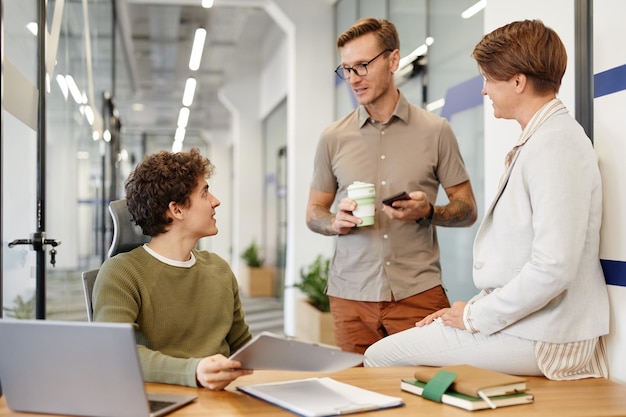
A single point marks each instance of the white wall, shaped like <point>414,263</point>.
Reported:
<point>610,145</point>
<point>610,126</point>
<point>220,186</point>
<point>274,72</point>
<point>242,98</point>
<point>310,89</point>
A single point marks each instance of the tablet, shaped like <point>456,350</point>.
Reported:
<point>269,351</point>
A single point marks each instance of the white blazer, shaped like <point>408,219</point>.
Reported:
<point>536,251</point>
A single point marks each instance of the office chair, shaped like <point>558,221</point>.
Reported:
<point>126,237</point>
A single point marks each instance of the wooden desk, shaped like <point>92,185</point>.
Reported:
<point>587,397</point>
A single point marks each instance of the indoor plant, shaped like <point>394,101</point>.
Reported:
<point>258,281</point>
<point>252,256</point>
<point>313,318</point>
<point>314,281</point>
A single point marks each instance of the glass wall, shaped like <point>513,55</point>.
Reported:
<point>19,156</point>
<point>446,85</point>
<point>453,76</point>
<point>79,160</point>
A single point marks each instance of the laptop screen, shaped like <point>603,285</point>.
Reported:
<point>73,368</point>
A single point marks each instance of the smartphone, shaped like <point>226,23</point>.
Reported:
<point>400,196</point>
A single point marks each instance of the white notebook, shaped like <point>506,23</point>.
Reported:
<point>320,397</point>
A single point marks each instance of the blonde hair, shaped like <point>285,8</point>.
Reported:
<point>384,30</point>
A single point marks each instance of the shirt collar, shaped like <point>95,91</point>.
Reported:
<point>400,112</point>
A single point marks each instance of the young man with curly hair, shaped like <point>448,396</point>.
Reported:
<point>184,303</point>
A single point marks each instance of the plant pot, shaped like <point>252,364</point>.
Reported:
<point>313,325</point>
<point>258,282</point>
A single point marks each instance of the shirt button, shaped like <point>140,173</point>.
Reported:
<point>387,263</point>
<point>383,182</point>
<point>382,157</point>
<point>385,236</point>
<point>382,133</point>
<point>478,265</point>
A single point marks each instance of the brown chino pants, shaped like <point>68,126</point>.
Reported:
<point>358,324</point>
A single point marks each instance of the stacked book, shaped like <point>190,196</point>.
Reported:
<point>468,387</point>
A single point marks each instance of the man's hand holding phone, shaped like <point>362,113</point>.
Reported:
<point>396,197</point>
<point>411,208</point>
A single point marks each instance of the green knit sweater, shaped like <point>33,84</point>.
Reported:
<point>180,314</point>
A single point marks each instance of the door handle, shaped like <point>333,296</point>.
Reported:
<point>37,242</point>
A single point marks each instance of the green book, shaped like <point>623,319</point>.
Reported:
<point>468,402</point>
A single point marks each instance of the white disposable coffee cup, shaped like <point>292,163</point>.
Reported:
<point>364,195</point>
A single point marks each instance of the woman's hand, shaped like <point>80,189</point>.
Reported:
<point>217,371</point>
<point>452,317</point>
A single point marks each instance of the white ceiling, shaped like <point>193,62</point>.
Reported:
<point>156,38</point>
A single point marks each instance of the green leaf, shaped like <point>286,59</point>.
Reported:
<point>315,281</point>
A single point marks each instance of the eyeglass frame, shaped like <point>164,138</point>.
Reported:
<point>341,70</point>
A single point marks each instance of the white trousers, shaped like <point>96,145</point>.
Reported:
<point>439,345</point>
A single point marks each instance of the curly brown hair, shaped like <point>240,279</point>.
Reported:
<point>159,179</point>
<point>525,47</point>
<point>385,32</point>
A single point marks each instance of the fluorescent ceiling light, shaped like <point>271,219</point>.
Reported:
<point>177,146</point>
<point>106,136</point>
<point>62,85</point>
<point>89,114</point>
<point>435,105</point>
<point>196,49</point>
<point>32,27</point>
<point>183,117</point>
<point>137,107</point>
<point>179,136</point>
<point>71,85</point>
<point>207,4</point>
<point>190,89</point>
<point>472,10</point>
<point>419,51</point>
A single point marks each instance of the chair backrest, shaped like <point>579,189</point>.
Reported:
<point>126,234</point>
<point>89,278</point>
<point>126,237</point>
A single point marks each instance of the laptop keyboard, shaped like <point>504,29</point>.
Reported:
<point>158,405</point>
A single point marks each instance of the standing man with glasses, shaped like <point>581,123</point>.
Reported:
<point>386,277</point>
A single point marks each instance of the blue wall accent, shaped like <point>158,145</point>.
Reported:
<point>463,96</point>
<point>467,94</point>
<point>609,81</point>
<point>614,272</point>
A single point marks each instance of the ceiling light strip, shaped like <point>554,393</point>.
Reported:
<point>197,49</point>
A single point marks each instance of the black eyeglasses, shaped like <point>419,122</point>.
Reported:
<point>358,69</point>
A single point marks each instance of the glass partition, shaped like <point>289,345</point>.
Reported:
<point>19,156</point>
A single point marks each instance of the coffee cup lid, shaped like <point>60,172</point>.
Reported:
<point>359,184</point>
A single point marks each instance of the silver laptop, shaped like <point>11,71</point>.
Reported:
<point>76,368</point>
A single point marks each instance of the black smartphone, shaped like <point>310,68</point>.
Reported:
<point>400,196</point>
